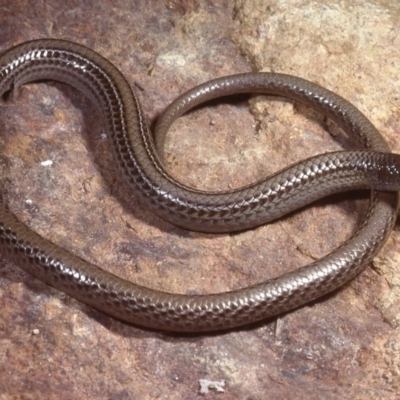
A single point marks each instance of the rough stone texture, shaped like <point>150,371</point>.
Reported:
<point>345,346</point>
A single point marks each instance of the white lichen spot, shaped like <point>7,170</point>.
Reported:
<point>206,386</point>
<point>46,163</point>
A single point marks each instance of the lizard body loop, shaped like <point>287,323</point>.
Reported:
<point>371,166</point>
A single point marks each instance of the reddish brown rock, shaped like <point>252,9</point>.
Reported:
<point>58,175</point>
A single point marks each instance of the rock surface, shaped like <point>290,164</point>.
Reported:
<point>57,174</point>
